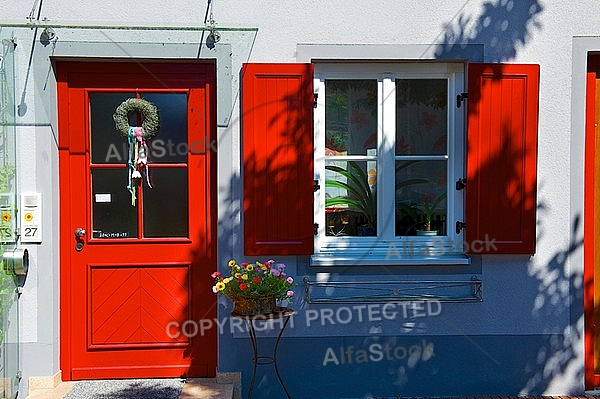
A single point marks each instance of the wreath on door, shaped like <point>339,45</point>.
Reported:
<point>150,119</point>
<point>137,138</point>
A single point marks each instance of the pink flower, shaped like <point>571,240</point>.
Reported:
<point>289,280</point>
<point>290,293</point>
<point>215,274</point>
<point>275,272</point>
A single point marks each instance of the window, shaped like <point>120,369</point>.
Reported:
<point>299,177</point>
<point>389,148</point>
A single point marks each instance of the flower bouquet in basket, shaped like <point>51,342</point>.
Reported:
<point>256,287</point>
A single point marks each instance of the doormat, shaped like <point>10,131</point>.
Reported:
<point>127,389</point>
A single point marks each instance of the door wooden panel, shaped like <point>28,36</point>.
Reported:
<point>135,310</point>
<point>145,262</point>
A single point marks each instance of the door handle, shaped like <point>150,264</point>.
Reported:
<point>79,232</point>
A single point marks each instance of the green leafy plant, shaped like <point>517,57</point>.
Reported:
<point>360,197</point>
<point>7,283</point>
<point>428,209</point>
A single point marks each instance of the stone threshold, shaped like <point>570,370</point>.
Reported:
<point>225,386</point>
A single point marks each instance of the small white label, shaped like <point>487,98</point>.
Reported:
<point>31,217</point>
<point>103,198</point>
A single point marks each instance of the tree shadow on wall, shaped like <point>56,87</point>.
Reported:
<point>560,296</point>
<point>503,26</point>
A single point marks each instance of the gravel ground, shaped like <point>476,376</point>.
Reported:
<point>127,389</point>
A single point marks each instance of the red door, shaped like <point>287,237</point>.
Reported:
<point>135,266</point>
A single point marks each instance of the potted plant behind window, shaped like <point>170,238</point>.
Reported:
<point>427,208</point>
<point>361,197</point>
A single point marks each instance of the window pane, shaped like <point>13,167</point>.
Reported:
<point>171,142</point>
<point>351,198</point>
<point>166,203</point>
<point>112,213</point>
<point>421,116</point>
<point>107,145</point>
<point>421,196</point>
<point>350,117</point>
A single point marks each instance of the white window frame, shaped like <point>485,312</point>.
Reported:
<point>386,248</point>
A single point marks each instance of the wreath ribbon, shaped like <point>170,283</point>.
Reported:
<point>138,160</point>
<point>137,138</point>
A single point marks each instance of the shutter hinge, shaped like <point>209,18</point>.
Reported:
<point>459,226</point>
<point>461,184</point>
<point>316,96</point>
<point>460,98</point>
<point>316,228</point>
<point>316,185</point>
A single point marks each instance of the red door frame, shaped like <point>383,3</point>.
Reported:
<point>592,379</point>
<point>70,143</point>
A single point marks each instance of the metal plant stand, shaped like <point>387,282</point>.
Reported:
<point>257,359</point>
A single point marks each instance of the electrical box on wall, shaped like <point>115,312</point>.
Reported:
<point>30,211</point>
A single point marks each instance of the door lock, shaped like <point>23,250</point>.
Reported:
<point>79,234</point>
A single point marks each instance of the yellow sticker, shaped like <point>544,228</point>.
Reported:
<point>28,217</point>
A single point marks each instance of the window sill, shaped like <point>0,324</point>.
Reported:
<point>384,260</point>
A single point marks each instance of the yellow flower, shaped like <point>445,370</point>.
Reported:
<point>227,280</point>
<point>220,286</point>
<point>237,268</point>
<point>231,263</point>
<point>258,264</point>
<point>244,277</point>
<point>249,268</point>
<point>237,275</point>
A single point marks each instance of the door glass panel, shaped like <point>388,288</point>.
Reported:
<point>421,116</point>
<point>166,203</point>
<point>171,143</point>
<point>113,216</point>
<point>107,145</point>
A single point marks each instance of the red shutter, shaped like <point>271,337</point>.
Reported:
<point>277,131</point>
<point>502,158</point>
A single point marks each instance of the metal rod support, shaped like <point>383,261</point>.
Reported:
<point>45,24</point>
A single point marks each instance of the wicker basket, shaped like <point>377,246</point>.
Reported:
<point>254,306</point>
